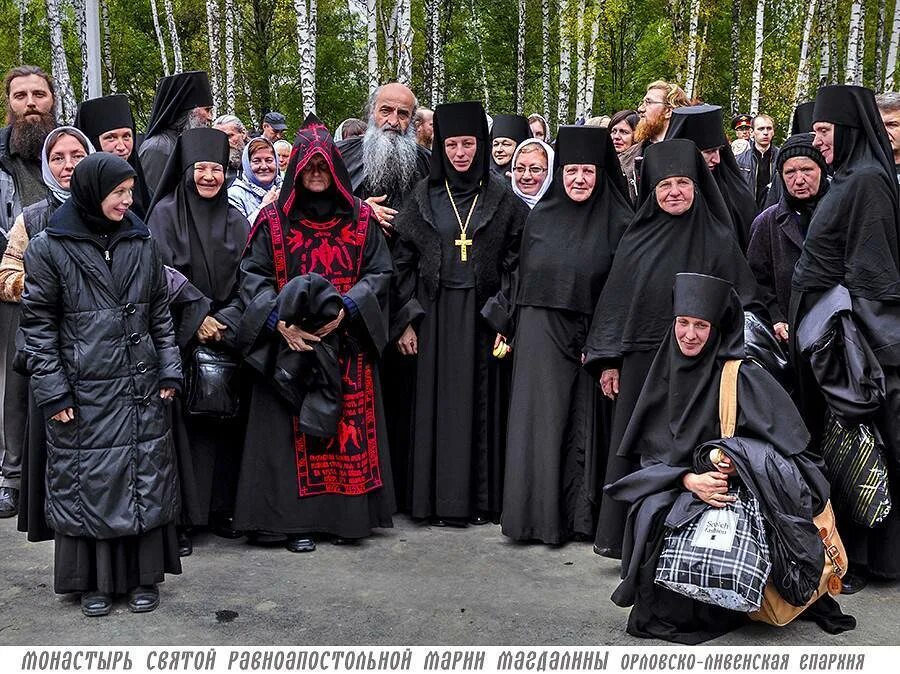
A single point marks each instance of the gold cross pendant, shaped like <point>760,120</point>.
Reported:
<point>463,242</point>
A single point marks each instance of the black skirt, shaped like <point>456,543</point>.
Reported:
<point>115,565</point>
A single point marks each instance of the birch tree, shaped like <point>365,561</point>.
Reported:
<point>825,51</point>
<point>81,30</point>
<point>404,40</point>
<point>891,64</point>
<point>65,99</point>
<point>434,12</point>
<point>306,45</point>
<point>372,44</point>
<point>591,73</point>
<point>213,40</point>
<point>159,38</point>
<point>693,26</point>
<point>520,59</point>
<point>735,55</point>
<point>756,80</point>
<point>853,69</point>
<point>173,35</point>
<point>545,58</point>
<point>879,42</point>
<point>803,69</point>
<point>565,65</point>
<point>580,61</point>
<point>231,17</point>
<point>107,48</point>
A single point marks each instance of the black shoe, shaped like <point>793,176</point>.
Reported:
<point>185,544</point>
<point>454,522</point>
<point>143,599</point>
<point>223,527</point>
<point>852,583</point>
<point>94,604</point>
<point>300,544</point>
<point>479,520</point>
<point>9,502</point>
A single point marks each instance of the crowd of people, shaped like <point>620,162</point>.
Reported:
<point>454,316</point>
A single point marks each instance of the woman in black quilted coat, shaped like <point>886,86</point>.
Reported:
<point>100,349</point>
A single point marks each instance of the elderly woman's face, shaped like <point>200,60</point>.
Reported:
<point>315,175</point>
<point>691,334</point>
<point>579,180</point>
<point>502,150</point>
<point>675,195</point>
<point>530,171</point>
<point>209,176</point>
<point>262,163</point>
<point>284,156</point>
<point>622,136</point>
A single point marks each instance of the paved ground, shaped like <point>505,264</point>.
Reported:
<point>409,585</point>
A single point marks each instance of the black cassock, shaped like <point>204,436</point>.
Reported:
<point>554,442</point>
<point>291,482</point>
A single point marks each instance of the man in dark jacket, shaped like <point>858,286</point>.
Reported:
<point>757,162</point>
<point>30,97</point>
<point>777,234</point>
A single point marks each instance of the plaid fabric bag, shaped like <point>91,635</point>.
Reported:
<point>720,557</point>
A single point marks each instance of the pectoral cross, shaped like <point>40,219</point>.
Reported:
<point>463,242</point>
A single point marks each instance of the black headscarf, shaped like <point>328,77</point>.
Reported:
<point>803,118</point>
<point>703,125</point>
<point>800,145</point>
<point>175,95</point>
<point>294,201</point>
<point>201,238</point>
<point>460,119</point>
<point>635,307</point>
<point>515,127</point>
<point>93,179</point>
<point>678,408</point>
<point>853,234</point>
<point>99,115</point>
<point>568,246</point>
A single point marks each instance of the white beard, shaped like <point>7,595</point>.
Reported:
<point>389,159</point>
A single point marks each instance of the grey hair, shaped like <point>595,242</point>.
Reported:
<point>370,103</point>
<point>889,101</point>
<point>228,120</point>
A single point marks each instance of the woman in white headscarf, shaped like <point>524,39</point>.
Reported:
<point>532,170</point>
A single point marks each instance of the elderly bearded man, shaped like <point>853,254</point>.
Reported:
<point>386,162</point>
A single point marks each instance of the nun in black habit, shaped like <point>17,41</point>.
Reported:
<point>109,125</point>
<point>801,122</point>
<point>568,245</point>
<point>459,246</point>
<point>293,482</point>
<point>507,133</point>
<point>176,97</point>
<point>853,241</point>
<point>202,236</point>
<point>703,125</point>
<point>634,310</point>
<point>678,411</point>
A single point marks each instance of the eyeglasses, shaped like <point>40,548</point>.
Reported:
<point>533,170</point>
<point>650,101</point>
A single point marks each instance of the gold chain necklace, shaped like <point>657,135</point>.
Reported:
<point>463,241</point>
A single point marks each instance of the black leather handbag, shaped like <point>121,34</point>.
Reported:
<point>213,387</point>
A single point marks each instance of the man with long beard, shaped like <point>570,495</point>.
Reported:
<point>655,112</point>
<point>183,101</point>
<point>30,97</point>
<point>386,162</point>
<point>234,128</point>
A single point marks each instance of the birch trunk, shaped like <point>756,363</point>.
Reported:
<point>735,56</point>
<point>565,66</point>
<point>757,56</point>
<point>213,21</point>
<point>306,44</point>
<point>825,52</point>
<point>476,18</point>
<point>834,74</point>
<point>691,79</point>
<point>545,58</point>
<point>591,74</point>
<point>879,42</point>
<point>372,44</point>
<point>81,29</point>
<point>852,71</point>
<point>159,38</point>
<point>404,40</point>
<point>520,60</point>
<point>314,33</point>
<point>802,84</point>
<point>231,17</point>
<point>435,51</point>
<point>173,35</point>
<point>107,48</point>
<point>891,64</point>
<point>65,97</point>
<point>580,62</point>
